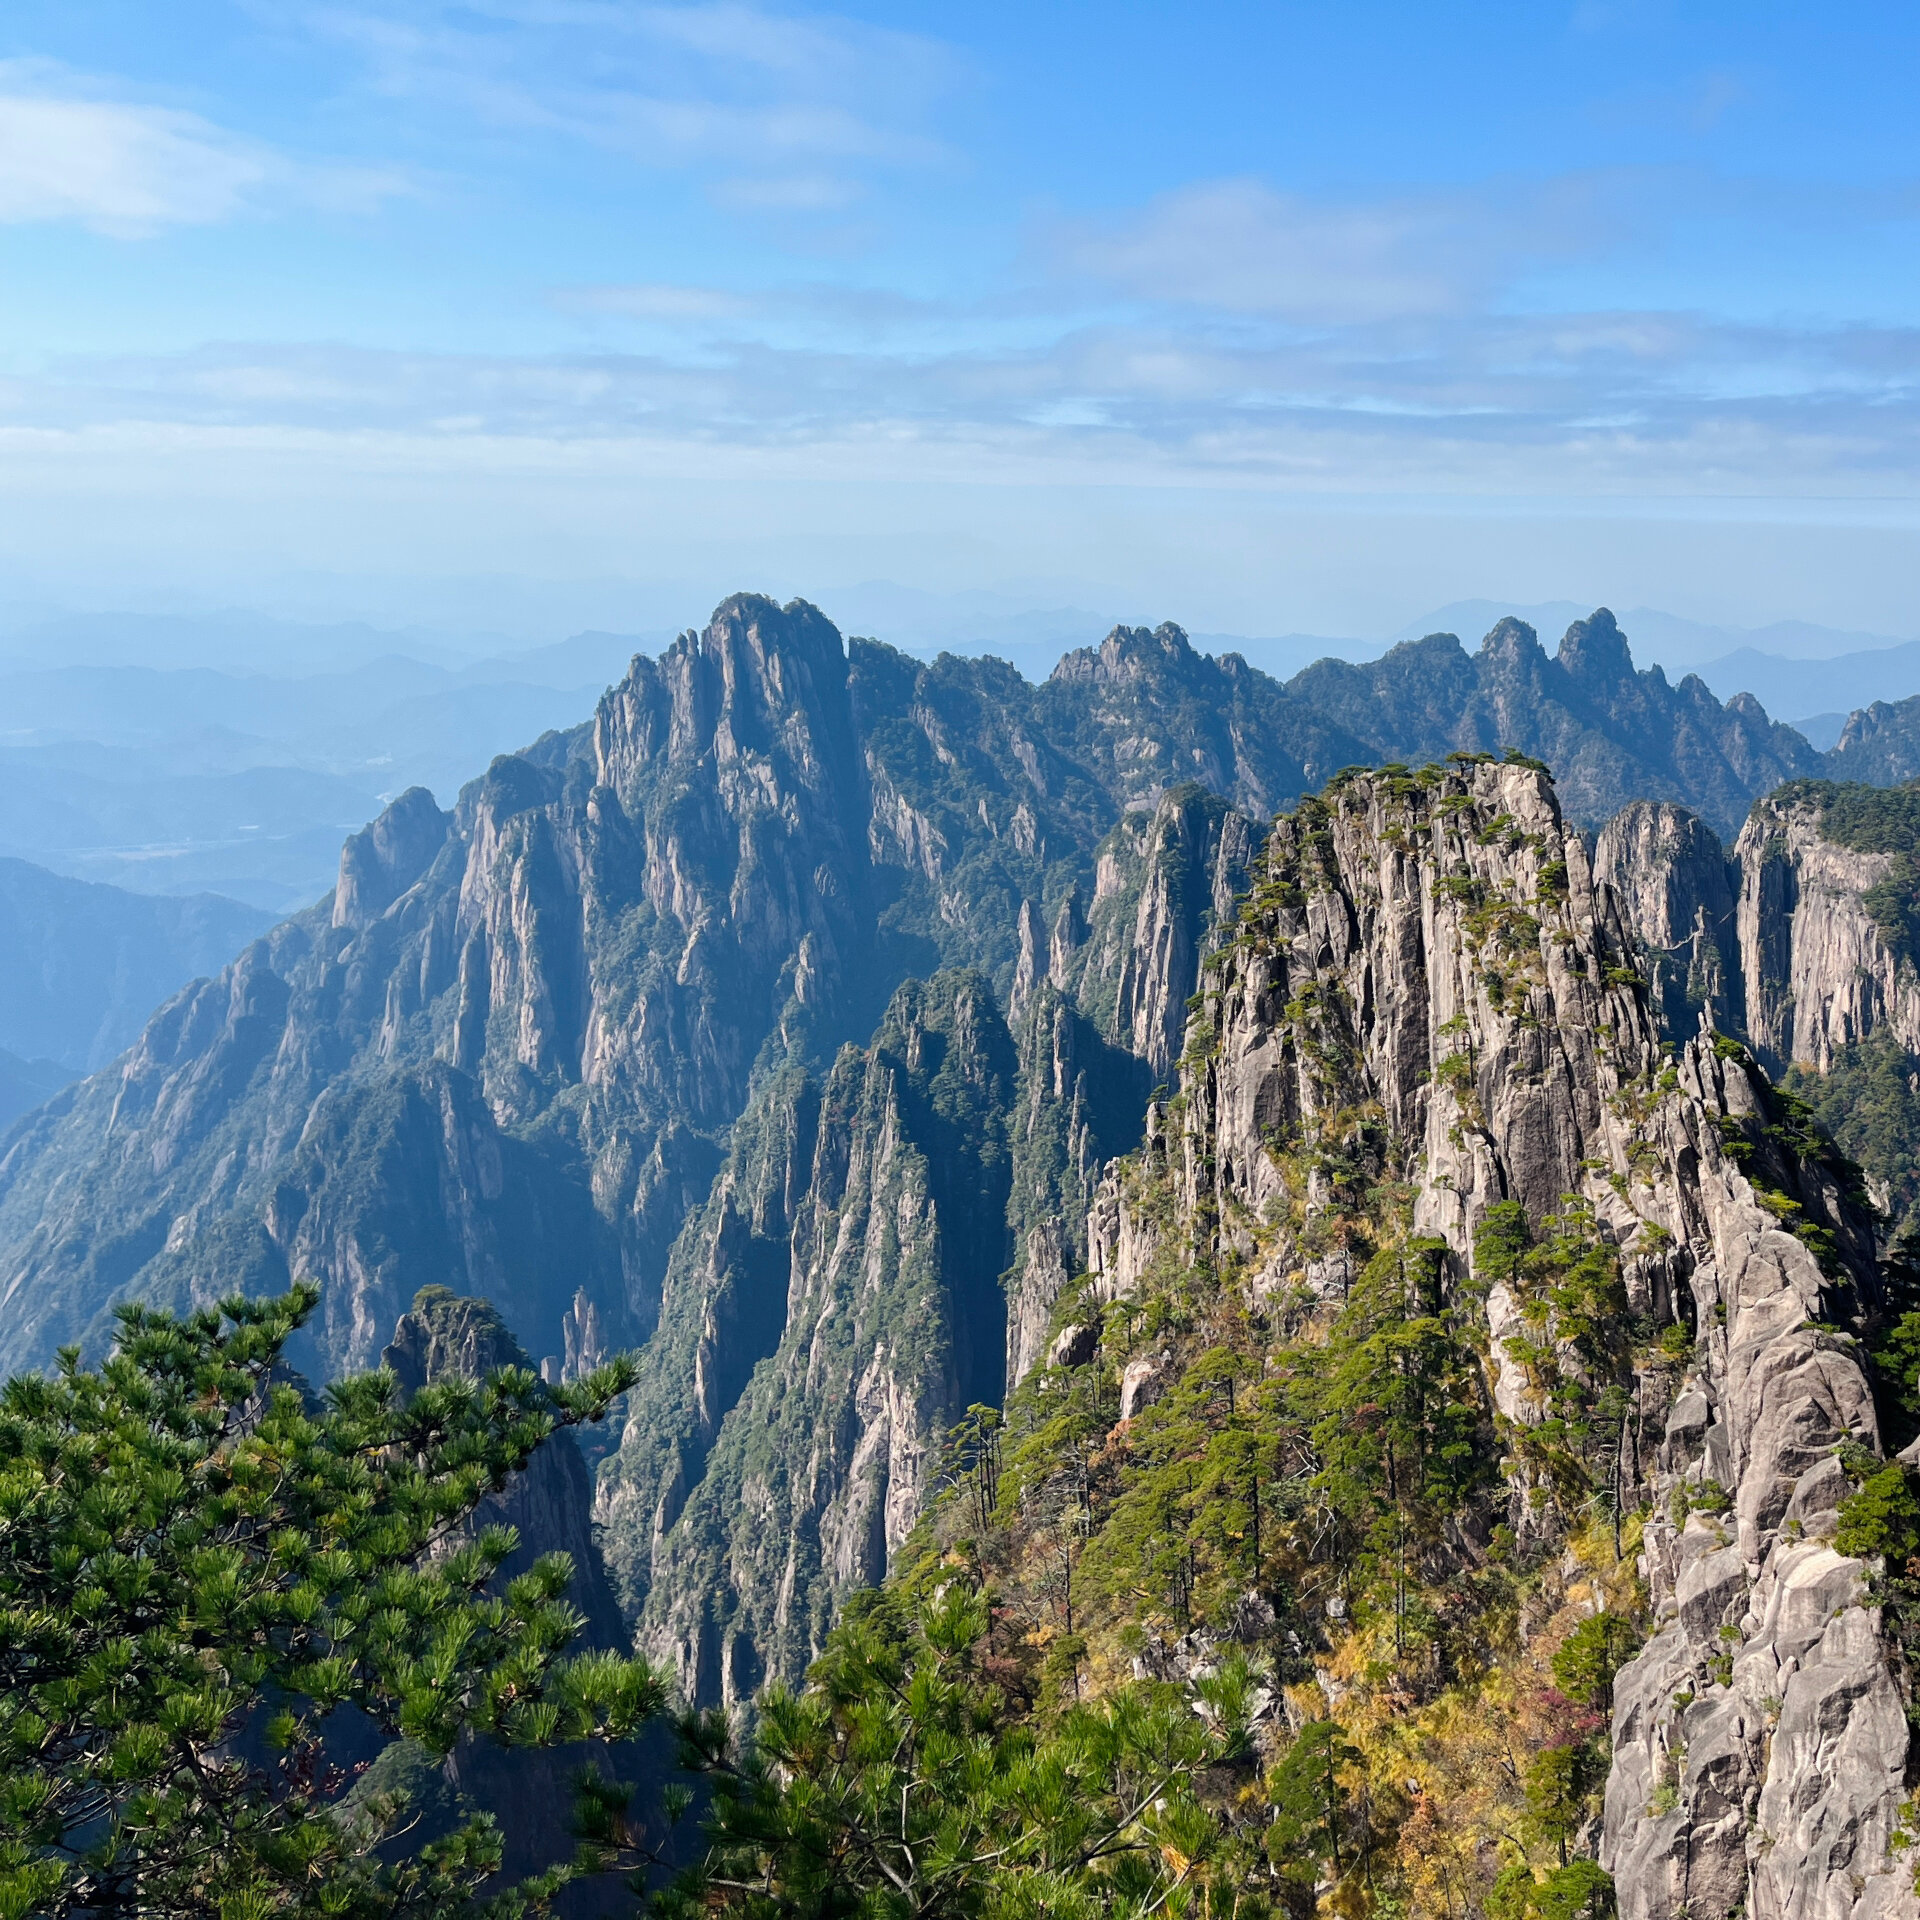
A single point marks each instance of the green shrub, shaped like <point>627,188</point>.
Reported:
<point>192,1554</point>
<point>1587,1659</point>
<point>1881,1520</point>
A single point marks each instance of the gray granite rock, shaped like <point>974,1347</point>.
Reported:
<point>1759,1741</point>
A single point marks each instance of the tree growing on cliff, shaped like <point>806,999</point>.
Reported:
<point>1311,1804</point>
<point>902,1782</point>
<point>1392,1401</point>
<point>198,1567</point>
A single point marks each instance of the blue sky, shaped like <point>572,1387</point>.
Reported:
<point>1268,318</point>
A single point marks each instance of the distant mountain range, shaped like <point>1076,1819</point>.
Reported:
<point>82,966</point>
<point>1798,671</point>
<point>1813,689</point>
<point>768,1016</point>
<point>190,778</point>
<point>612,906</point>
<point>794,1015</point>
<point>231,753</point>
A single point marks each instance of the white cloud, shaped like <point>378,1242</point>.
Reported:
<point>117,168</point>
<point>728,89</point>
<point>1580,406</point>
<point>657,301</point>
<point>1244,247</point>
<point>69,152</point>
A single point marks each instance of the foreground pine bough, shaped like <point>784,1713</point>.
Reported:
<point>200,1572</point>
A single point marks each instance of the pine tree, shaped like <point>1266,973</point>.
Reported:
<point>1555,1794</point>
<point>198,1567</point>
<point>901,1782</point>
<point>1587,1659</point>
<point>1393,1403</point>
<point>1311,1801</point>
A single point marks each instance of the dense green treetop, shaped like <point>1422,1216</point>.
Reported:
<point>199,1566</point>
<point>904,1783</point>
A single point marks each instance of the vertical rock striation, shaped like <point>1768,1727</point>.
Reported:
<point>1670,875</point>
<point>1435,952</point>
<point>1078,1106</point>
<point>1165,881</point>
<point>887,1322</point>
<point>1821,971</point>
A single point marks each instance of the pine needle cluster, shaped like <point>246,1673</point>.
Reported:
<point>204,1572</point>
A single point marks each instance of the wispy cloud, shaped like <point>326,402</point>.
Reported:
<point>118,168</point>
<point>70,151</point>
<point>658,301</point>
<point>1244,247</point>
<point>1574,405</point>
<point>782,112</point>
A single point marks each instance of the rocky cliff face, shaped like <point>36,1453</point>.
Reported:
<point>1164,880</point>
<point>880,1253</point>
<point>1078,1106</point>
<point>551,1005</point>
<point>1145,714</point>
<point>1678,893</point>
<point>550,1507</point>
<point>1429,960</point>
<point>1879,745</point>
<point>1801,941</point>
<point>1823,970</point>
<point>883,1321</point>
<point>548,1008</point>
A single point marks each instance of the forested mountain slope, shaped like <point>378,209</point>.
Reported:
<point>1445,1339</point>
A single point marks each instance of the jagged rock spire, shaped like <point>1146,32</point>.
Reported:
<point>1069,935</point>
<point>1027,972</point>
